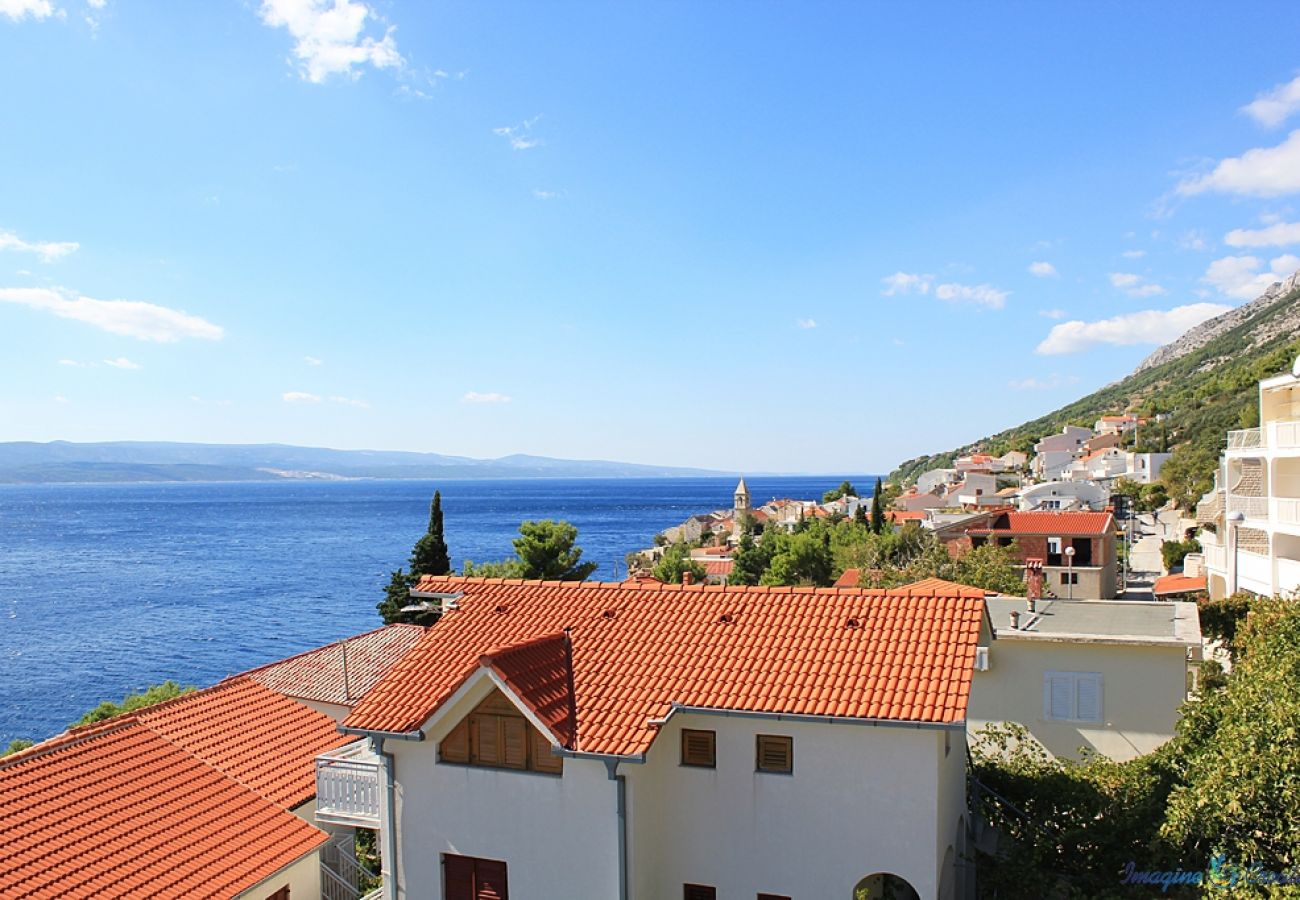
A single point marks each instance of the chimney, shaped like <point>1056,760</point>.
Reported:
<point>688,577</point>
<point>1015,620</point>
<point>1033,582</point>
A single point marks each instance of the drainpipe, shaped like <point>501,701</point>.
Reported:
<point>611,767</point>
<point>388,824</point>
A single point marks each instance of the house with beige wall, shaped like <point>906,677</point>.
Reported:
<point>650,741</point>
<point>1105,676</point>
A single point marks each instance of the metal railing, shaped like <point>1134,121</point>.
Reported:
<point>343,877</point>
<point>1245,439</point>
<point>348,786</point>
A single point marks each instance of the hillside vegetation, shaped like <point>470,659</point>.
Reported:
<point>1202,394</point>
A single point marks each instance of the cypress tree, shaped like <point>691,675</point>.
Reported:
<point>877,511</point>
<point>430,556</point>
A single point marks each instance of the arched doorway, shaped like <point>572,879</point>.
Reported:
<point>884,886</point>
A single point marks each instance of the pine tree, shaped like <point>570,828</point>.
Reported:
<point>430,556</point>
<point>877,510</point>
<point>860,514</point>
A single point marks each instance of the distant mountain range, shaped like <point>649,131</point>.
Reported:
<point>142,461</point>
<point>1202,385</point>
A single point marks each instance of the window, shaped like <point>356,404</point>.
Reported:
<point>281,894</point>
<point>1072,696</point>
<point>699,891</point>
<point>467,878</point>
<point>699,749</point>
<point>496,734</point>
<point>1054,546</point>
<point>773,897</point>
<point>775,754</point>
<point>1069,578</point>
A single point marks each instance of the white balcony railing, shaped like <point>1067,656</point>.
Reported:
<point>1286,512</point>
<point>1250,507</point>
<point>1254,572</point>
<point>1246,439</point>
<point>348,786</point>
<point>1288,576</point>
<point>1284,435</point>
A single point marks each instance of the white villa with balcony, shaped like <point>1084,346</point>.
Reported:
<point>1255,506</point>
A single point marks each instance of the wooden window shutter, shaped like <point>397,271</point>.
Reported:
<point>543,759</point>
<point>281,894</point>
<point>699,748</point>
<point>699,891</point>
<point>490,880</point>
<point>457,877</point>
<point>455,746</point>
<point>775,753</point>
<point>486,729</point>
<point>514,742</point>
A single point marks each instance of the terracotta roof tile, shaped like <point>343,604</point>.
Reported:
<point>1050,523</point>
<point>639,647</point>
<point>341,672</point>
<point>849,578</point>
<point>115,810</point>
<point>1178,583</point>
<point>261,739</point>
<point>539,673</point>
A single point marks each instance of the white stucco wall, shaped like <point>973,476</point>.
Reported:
<point>862,799</point>
<point>302,878</point>
<point>557,835</point>
<point>1142,689</point>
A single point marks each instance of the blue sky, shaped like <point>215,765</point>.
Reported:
<point>755,236</point>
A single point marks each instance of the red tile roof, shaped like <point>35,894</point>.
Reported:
<point>341,672</point>
<point>116,810</point>
<point>538,672</point>
<point>937,587</point>
<point>640,647</point>
<point>1178,583</point>
<point>719,566</point>
<point>849,578</point>
<point>907,515</point>
<point>1049,523</point>
<point>264,740</point>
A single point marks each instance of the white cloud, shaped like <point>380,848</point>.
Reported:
<point>20,9</point>
<point>59,398</point>
<point>1133,254</point>
<point>490,397</point>
<point>313,360</point>
<point>72,363</point>
<point>299,397</point>
<point>1241,277</point>
<point>1152,326</point>
<point>133,318</point>
<point>329,36</point>
<point>97,4</point>
<point>48,251</point>
<point>520,136</point>
<point>1134,285</point>
<point>348,401</point>
<point>899,342</point>
<point>1278,234</point>
<point>122,363</point>
<point>807,323</point>
<point>1261,172</point>
<point>1043,270</point>
<point>1193,240</point>
<point>548,195</point>
<point>984,295</point>
<point>1052,313</point>
<point>1051,382</point>
<point>906,283</point>
<point>1273,108</point>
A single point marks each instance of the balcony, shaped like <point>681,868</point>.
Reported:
<point>1246,439</point>
<point>1250,507</point>
<point>1254,573</point>
<point>349,786</point>
<point>1286,512</point>
<point>1284,435</point>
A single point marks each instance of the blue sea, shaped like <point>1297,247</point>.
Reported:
<point>105,589</point>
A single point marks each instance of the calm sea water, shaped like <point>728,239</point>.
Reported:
<point>109,588</point>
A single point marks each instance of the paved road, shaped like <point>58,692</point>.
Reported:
<point>1145,563</point>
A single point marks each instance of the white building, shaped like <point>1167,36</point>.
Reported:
<point>1053,454</point>
<point>1253,543</point>
<point>1085,495</point>
<point>655,742</point>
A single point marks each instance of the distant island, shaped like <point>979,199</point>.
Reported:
<point>23,462</point>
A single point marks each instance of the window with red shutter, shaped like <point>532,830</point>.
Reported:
<point>468,878</point>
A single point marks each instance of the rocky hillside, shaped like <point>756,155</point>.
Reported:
<point>1202,385</point>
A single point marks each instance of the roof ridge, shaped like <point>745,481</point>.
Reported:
<point>339,642</point>
<point>71,737</point>
<point>503,649</point>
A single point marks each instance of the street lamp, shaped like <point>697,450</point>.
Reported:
<point>1069,578</point>
<point>1235,518</point>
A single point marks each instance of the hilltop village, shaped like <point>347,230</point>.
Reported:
<point>746,715</point>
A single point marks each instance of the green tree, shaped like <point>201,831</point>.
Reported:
<point>846,489</point>
<point>1174,552</point>
<point>547,549</point>
<point>505,568</point>
<point>397,597</point>
<point>802,558</point>
<point>676,560</point>
<point>430,556</point>
<point>878,522</point>
<point>15,745</point>
<point>156,693</point>
<point>860,514</point>
<point>750,560</point>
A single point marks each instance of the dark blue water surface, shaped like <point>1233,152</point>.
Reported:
<point>105,589</point>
